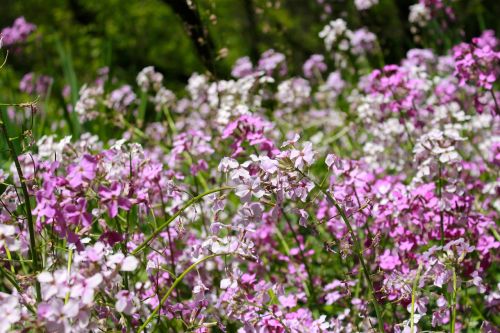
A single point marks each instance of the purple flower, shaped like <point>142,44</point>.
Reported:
<point>476,63</point>
<point>120,99</point>
<point>83,172</point>
<point>389,261</point>
<point>250,188</point>
<point>113,199</point>
<point>125,302</point>
<point>85,289</point>
<point>77,213</point>
<point>18,33</point>
<point>302,157</point>
<point>362,42</point>
<point>289,301</point>
<point>242,67</point>
<point>30,84</point>
<point>272,60</point>
<point>314,66</point>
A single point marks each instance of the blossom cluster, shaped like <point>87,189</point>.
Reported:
<point>264,202</point>
<point>18,33</point>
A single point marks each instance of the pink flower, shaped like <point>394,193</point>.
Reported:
<point>18,33</point>
<point>83,172</point>
<point>85,289</point>
<point>289,301</point>
<point>113,199</point>
<point>77,213</point>
<point>314,65</point>
<point>242,67</point>
<point>389,261</point>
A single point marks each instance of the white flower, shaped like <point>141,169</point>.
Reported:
<point>11,312</point>
<point>87,106</point>
<point>332,32</point>
<point>227,164</point>
<point>249,188</point>
<point>419,14</point>
<point>365,4</point>
<point>148,78</point>
<point>226,283</point>
<point>304,156</point>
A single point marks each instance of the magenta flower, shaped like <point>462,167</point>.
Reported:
<point>83,172</point>
<point>477,63</point>
<point>314,66</point>
<point>389,261</point>
<point>289,301</point>
<point>113,199</point>
<point>18,33</point>
<point>77,213</point>
<point>242,67</point>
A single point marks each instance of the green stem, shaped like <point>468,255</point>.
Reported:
<point>497,108</point>
<point>27,204</point>
<point>413,294</point>
<point>440,194</point>
<point>13,281</point>
<point>358,251</point>
<point>173,217</point>
<point>70,260</point>
<point>171,289</point>
<point>123,246</point>
<point>454,302</point>
<point>271,312</point>
<point>312,299</point>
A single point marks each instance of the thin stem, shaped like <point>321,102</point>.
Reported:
<point>440,194</point>
<point>413,294</point>
<point>171,289</point>
<point>454,302</point>
<point>497,108</point>
<point>173,217</point>
<point>12,280</point>
<point>304,261</point>
<point>21,105</point>
<point>170,245</point>
<point>271,313</point>
<point>358,251</point>
<point>123,246</point>
<point>410,140</point>
<point>27,204</point>
<point>70,260</point>
<point>5,59</point>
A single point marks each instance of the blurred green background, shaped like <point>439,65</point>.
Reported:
<point>129,35</point>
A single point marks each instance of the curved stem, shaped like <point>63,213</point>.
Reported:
<point>271,313</point>
<point>171,289</point>
<point>497,108</point>
<point>312,298</point>
<point>358,250</point>
<point>12,280</point>
<point>27,205</point>
<point>173,217</point>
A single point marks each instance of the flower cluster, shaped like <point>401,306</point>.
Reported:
<point>32,84</point>
<point>478,62</point>
<point>345,43</point>
<point>18,32</point>
<point>353,199</point>
<point>365,4</point>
